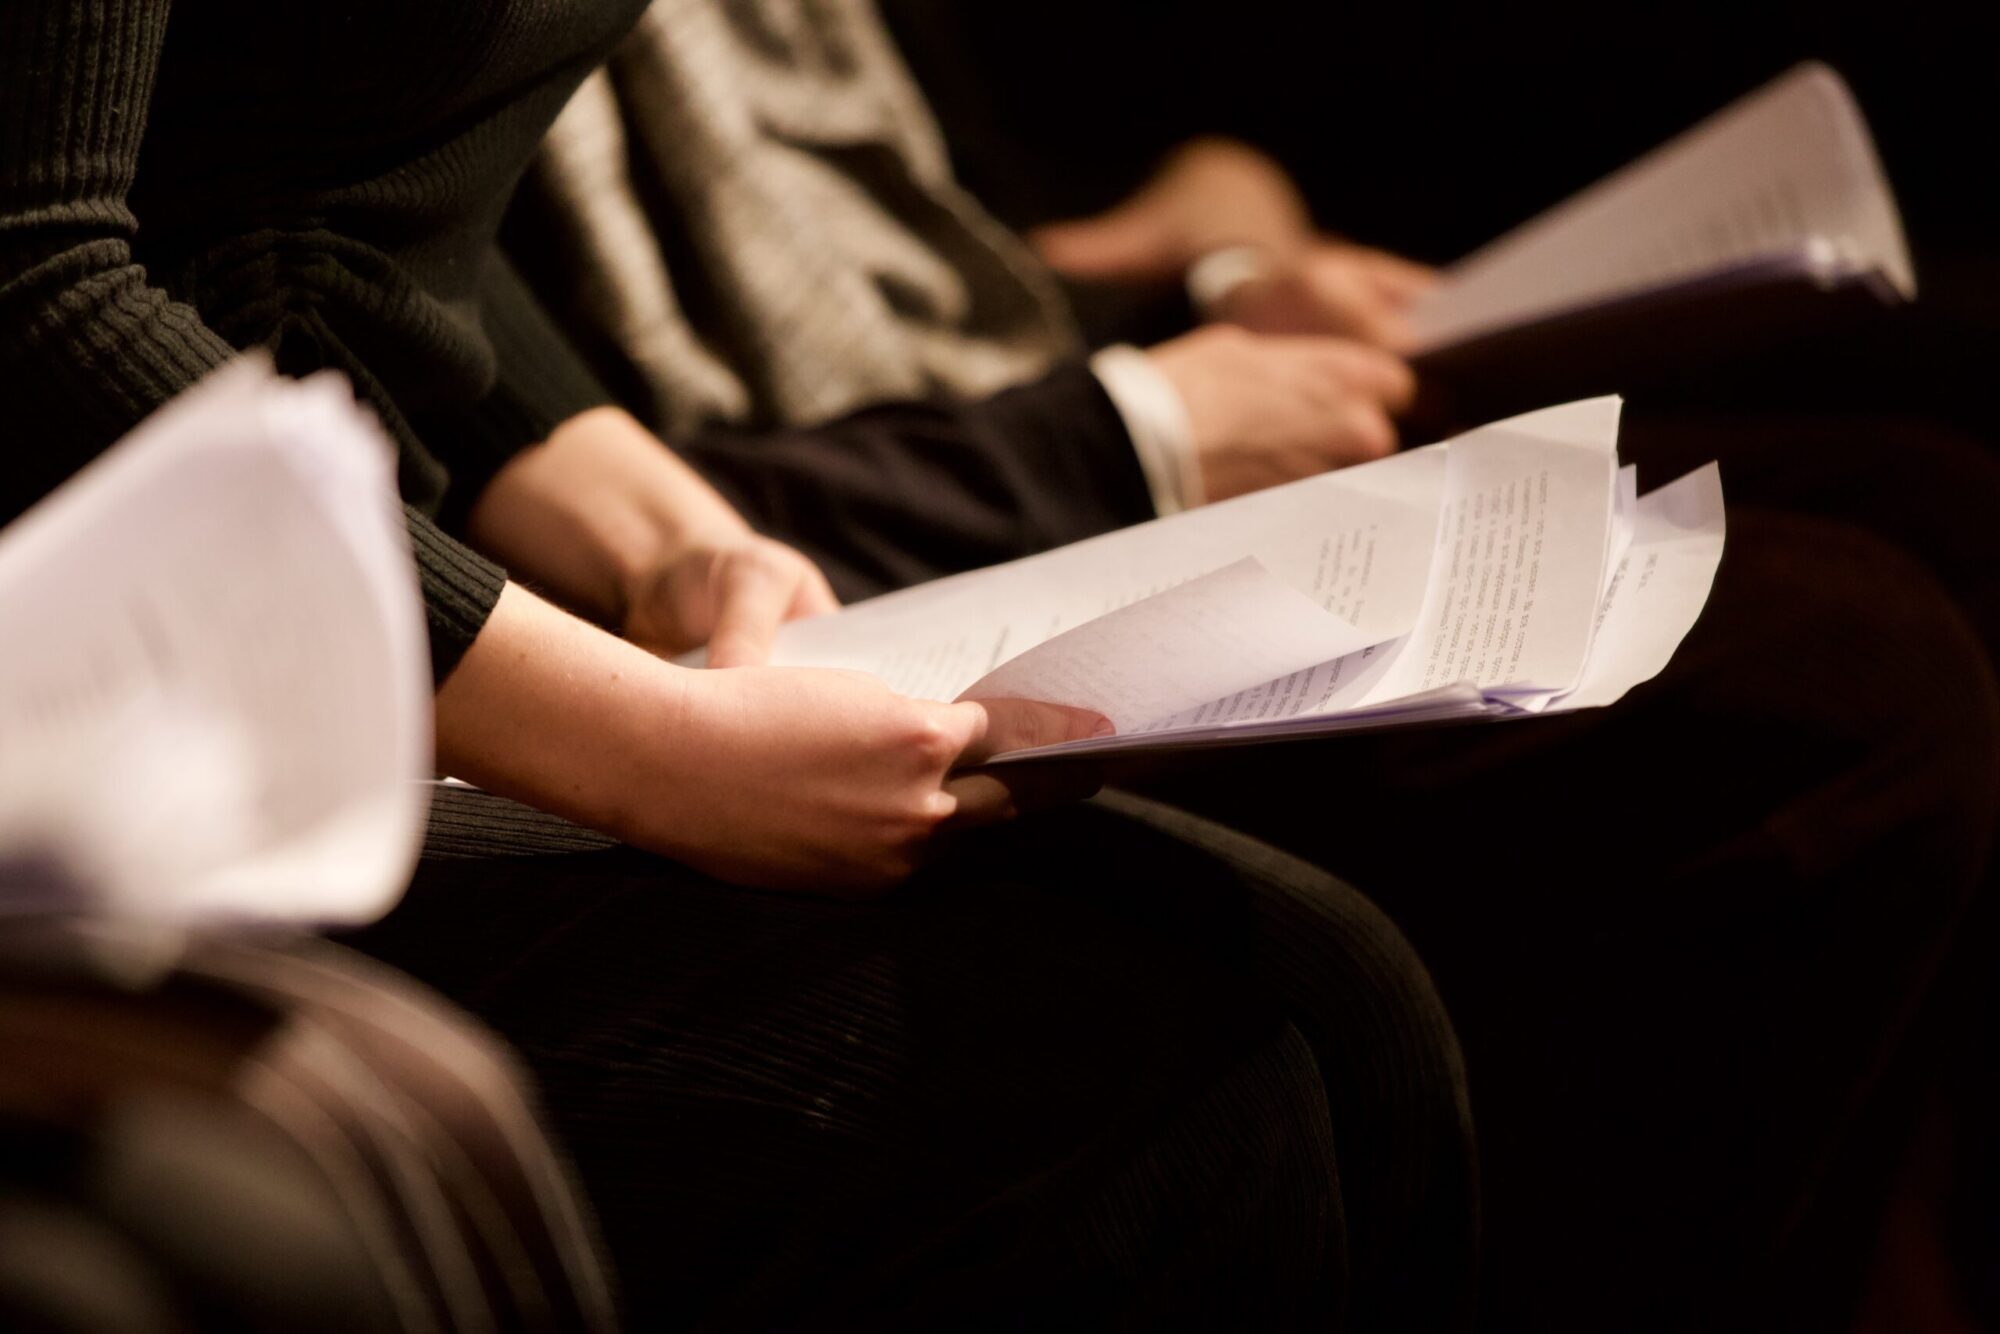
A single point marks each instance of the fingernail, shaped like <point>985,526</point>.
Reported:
<point>1104,728</point>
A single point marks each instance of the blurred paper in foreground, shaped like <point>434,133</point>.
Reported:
<point>214,690</point>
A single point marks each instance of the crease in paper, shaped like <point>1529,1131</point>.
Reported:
<point>1200,640</point>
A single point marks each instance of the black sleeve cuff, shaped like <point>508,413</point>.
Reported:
<point>542,382</point>
<point>1069,434</point>
<point>460,588</point>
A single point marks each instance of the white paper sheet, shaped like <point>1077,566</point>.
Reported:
<point>1357,542</point>
<point>1206,638</point>
<point>1478,587</point>
<point>1535,699</point>
<point>1789,170</point>
<point>1524,533</point>
<point>1661,585</point>
<point>231,583</point>
<point>1525,500</point>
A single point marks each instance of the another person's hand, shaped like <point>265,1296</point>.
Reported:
<point>608,519</point>
<point>1211,194</point>
<point>1268,409</point>
<point>1332,287</point>
<point>731,595</point>
<point>1215,196</point>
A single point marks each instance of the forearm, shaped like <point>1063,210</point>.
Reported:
<point>589,512</point>
<point>554,712</point>
<point>88,345</point>
<point>770,776</point>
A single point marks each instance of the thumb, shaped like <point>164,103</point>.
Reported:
<point>1019,724</point>
<point>1124,243</point>
<point>751,597</point>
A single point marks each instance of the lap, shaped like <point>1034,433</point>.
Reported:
<point>1113,1061</point>
<point>1705,916</point>
<point>1928,487</point>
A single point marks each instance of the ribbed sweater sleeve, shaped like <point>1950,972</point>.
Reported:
<point>460,588</point>
<point>541,383</point>
<point>88,345</point>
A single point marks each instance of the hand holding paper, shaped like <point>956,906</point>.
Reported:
<point>1488,577</point>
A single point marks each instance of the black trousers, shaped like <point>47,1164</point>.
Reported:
<point>1689,940</point>
<point>1113,1068</point>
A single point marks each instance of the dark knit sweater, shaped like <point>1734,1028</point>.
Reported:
<point>323,179</point>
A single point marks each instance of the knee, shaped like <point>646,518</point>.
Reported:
<point>1849,648</point>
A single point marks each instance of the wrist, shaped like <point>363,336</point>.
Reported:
<point>643,507</point>
<point>596,510</point>
<point>552,711</point>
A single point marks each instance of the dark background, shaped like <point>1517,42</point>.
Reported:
<point>1431,128</point>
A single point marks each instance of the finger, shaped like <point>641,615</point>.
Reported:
<point>1400,278</point>
<point>1338,292</point>
<point>993,796</point>
<point>949,731</point>
<point>814,596</point>
<point>1368,433</point>
<point>1386,327</point>
<point>1354,303</point>
<point>1382,376</point>
<point>981,799</point>
<point>1018,724</point>
<point>751,593</point>
<point>677,611</point>
<point>1124,243</point>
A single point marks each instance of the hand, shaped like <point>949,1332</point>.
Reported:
<point>731,594</point>
<point>828,781</point>
<point>1268,409</point>
<point>783,777</point>
<point>604,517</point>
<point>1216,194</point>
<point>1209,195</point>
<point>1331,288</point>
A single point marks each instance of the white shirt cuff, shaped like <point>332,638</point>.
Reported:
<point>1157,421</point>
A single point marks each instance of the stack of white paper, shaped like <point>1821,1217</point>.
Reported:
<point>214,694</point>
<point>1783,185</point>
<point>1508,572</point>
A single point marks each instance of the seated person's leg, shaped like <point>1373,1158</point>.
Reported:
<point>271,1139</point>
<point>1346,978</point>
<point>1683,937</point>
<point>1075,1072</point>
<point>1931,489</point>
